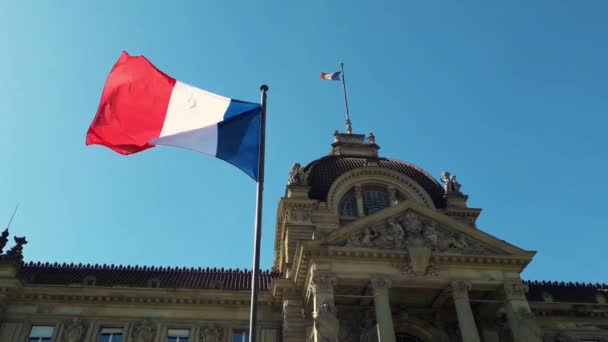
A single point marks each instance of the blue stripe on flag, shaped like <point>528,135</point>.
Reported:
<point>336,76</point>
<point>238,136</point>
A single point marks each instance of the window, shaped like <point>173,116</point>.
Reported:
<point>110,335</point>
<point>348,207</point>
<point>374,199</point>
<point>178,335</point>
<point>41,333</point>
<point>240,336</point>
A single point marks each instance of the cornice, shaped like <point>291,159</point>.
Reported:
<point>130,296</point>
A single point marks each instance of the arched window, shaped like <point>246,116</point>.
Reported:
<point>374,199</point>
<point>348,206</point>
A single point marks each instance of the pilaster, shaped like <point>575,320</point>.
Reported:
<point>359,199</point>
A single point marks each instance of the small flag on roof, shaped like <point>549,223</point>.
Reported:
<point>334,76</point>
<point>142,107</point>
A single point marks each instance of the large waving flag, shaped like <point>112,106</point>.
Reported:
<point>142,107</point>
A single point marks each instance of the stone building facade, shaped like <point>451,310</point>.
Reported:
<point>367,249</point>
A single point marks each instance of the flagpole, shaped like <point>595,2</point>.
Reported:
<point>349,128</point>
<point>258,222</point>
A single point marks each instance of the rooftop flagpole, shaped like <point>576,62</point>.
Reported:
<point>349,128</point>
<point>255,276</point>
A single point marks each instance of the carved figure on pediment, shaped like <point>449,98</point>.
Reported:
<point>296,175</point>
<point>398,233</point>
<point>212,333</point>
<point>73,330</point>
<point>143,332</point>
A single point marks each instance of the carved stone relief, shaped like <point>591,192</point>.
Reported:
<point>212,333</point>
<point>144,331</point>
<point>298,214</point>
<point>73,330</point>
<point>413,230</point>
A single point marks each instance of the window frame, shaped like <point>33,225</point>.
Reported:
<point>52,336</point>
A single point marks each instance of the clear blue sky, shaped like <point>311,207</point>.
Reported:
<point>509,96</point>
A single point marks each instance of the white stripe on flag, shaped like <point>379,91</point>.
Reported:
<point>191,108</point>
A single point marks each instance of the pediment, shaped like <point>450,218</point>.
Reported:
<point>409,226</point>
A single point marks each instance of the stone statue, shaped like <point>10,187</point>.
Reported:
<point>371,138</point>
<point>327,325</point>
<point>296,175</point>
<point>16,252</point>
<point>73,330</point>
<point>451,184</point>
<point>143,332</point>
<point>3,239</point>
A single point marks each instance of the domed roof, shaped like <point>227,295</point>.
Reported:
<point>323,172</point>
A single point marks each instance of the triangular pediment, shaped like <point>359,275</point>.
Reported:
<point>409,225</point>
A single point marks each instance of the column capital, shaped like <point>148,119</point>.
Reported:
<point>322,282</point>
<point>380,283</point>
<point>460,289</point>
<point>515,289</point>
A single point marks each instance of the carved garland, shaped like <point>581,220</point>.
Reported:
<point>400,181</point>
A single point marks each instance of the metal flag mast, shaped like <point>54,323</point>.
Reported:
<point>255,277</point>
<point>349,128</point>
<point>12,216</point>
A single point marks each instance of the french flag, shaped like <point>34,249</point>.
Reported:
<point>142,107</point>
<point>334,76</point>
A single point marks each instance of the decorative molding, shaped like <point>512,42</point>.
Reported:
<point>460,289</point>
<point>212,333</point>
<point>515,290</point>
<point>380,283</point>
<point>144,331</point>
<point>322,282</point>
<point>74,330</point>
<point>298,213</point>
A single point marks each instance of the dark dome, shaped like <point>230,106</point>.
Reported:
<point>322,173</point>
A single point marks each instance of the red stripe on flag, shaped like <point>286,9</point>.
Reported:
<point>133,106</point>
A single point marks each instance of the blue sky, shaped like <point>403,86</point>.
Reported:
<point>509,96</point>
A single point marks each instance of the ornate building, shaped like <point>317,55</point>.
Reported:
<point>367,249</point>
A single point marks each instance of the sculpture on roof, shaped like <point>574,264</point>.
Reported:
<point>16,252</point>
<point>451,185</point>
<point>3,239</point>
<point>296,175</point>
<point>371,138</point>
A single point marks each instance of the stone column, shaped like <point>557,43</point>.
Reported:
<point>359,199</point>
<point>466,320</point>
<point>384,316</point>
<point>521,319</point>
<point>326,324</point>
